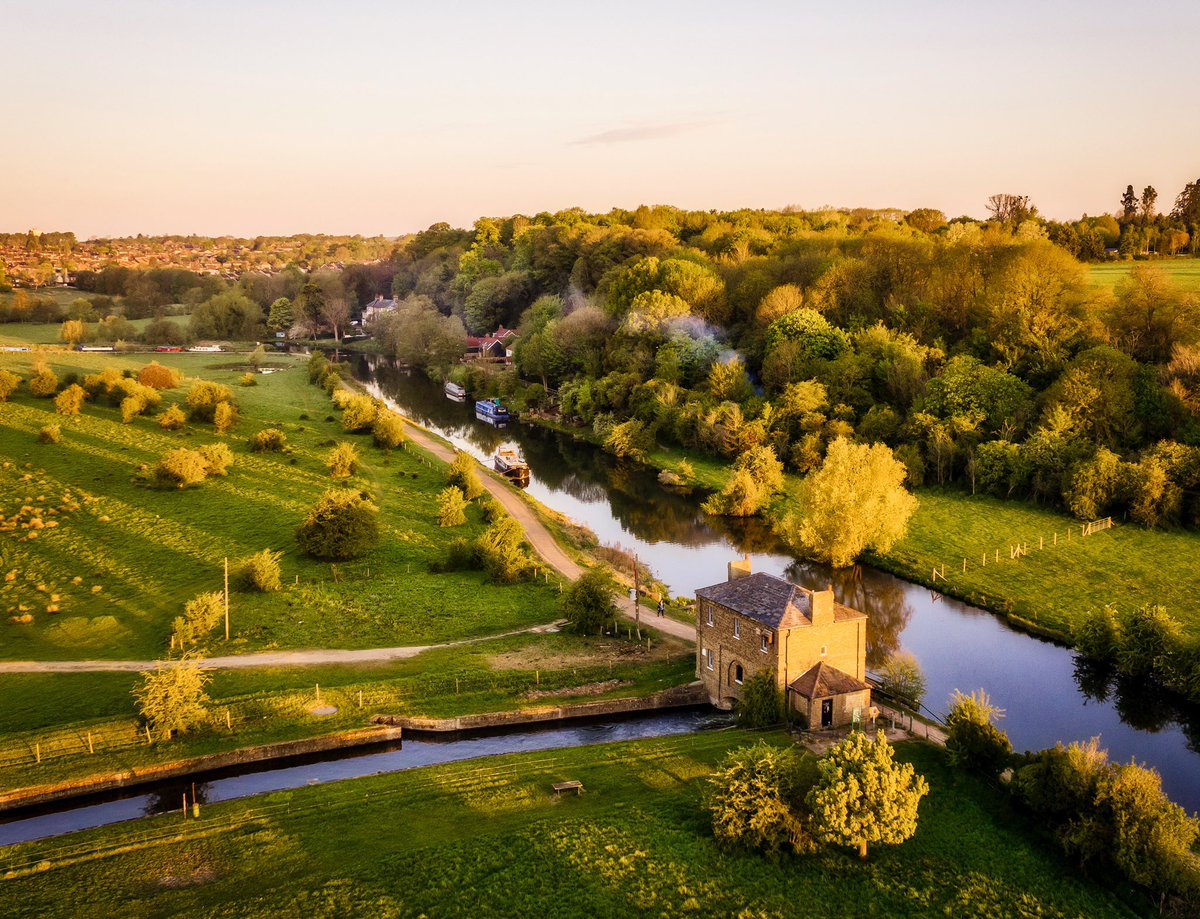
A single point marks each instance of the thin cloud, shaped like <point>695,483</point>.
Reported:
<point>642,132</point>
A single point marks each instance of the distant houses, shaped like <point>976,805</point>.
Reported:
<point>814,647</point>
<point>377,307</point>
<point>496,347</point>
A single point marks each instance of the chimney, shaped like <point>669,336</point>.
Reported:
<point>740,569</point>
<point>822,606</point>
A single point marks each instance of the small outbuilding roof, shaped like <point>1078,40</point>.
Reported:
<point>822,680</point>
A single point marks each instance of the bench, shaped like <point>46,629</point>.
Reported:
<point>560,787</point>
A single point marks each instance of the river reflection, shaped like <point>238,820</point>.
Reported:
<point>1046,696</point>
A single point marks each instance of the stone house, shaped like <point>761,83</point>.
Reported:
<point>815,647</point>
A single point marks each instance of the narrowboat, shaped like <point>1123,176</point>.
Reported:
<point>454,392</point>
<point>509,462</point>
<point>491,411</point>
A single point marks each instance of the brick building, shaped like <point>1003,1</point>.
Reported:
<point>815,647</point>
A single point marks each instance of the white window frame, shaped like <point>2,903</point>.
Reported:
<point>708,613</point>
<point>736,668</point>
<point>709,655</point>
<point>737,629</point>
<point>763,642</point>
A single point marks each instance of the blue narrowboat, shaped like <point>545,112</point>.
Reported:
<point>491,411</point>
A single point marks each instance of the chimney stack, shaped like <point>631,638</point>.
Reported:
<point>740,569</point>
<point>822,606</point>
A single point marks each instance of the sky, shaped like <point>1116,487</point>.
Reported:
<point>250,117</point>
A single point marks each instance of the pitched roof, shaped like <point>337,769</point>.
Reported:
<point>771,601</point>
<point>823,680</point>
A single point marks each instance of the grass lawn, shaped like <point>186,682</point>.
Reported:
<point>139,553</point>
<point>1053,587</point>
<point>1185,272</point>
<point>486,838</point>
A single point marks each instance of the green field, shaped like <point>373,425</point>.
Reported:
<point>140,553</point>
<point>487,838</point>
<point>30,334</point>
<point>1054,585</point>
<point>1185,272</point>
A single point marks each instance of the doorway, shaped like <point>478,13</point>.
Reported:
<point>826,713</point>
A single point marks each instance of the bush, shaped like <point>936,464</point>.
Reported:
<point>973,741</point>
<point>203,399</point>
<point>156,376</point>
<point>589,604</point>
<point>200,617</point>
<point>172,699</point>
<point>172,419</point>
<point>762,703</point>
<point>70,400</point>
<point>451,507</point>
<point>755,800</point>
<point>461,555</point>
<point>358,413</point>
<point>224,417</point>
<point>43,383</point>
<point>268,440</point>
<point>342,525</point>
<point>342,461</point>
<point>502,552</point>
<point>629,439</point>
<point>741,497</point>
<point>50,434</point>
<point>388,430</point>
<point>8,384</point>
<point>248,379</point>
<point>260,572</point>
<point>181,468</point>
<point>217,458</point>
<point>901,678</point>
<point>462,473</point>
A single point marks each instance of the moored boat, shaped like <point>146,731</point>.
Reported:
<point>454,392</point>
<point>509,462</point>
<point>491,411</point>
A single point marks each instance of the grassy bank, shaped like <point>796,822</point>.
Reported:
<point>488,838</point>
<point>140,553</point>
<point>1184,272</point>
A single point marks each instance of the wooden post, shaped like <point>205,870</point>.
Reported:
<point>37,752</point>
<point>997,555</point>
<point>637,607</point>
<point>360,698</point>
<point>318,694</point>
<point>456,686</point>
<point>149,739</point>
<point>185,806</point>
<point>984,559</point>
<point>91,749</point>
<point>227,599</point>
<point>1056,537</point>
<point>1041,542</point>
<point>964,566</point>
<point>228,720</point>
<point>537,678</point>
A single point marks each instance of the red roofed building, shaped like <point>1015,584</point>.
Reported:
<point>494,347</point>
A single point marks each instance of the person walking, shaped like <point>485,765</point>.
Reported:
<point>662,610</point>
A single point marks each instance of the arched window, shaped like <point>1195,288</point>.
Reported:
<point>738,675</point>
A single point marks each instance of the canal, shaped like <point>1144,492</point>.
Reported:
<point>1046,693</point>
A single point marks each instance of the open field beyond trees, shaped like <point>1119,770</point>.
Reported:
<point>486,837</point>
<point>1184,272</point>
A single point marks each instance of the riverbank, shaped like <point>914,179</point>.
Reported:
<point>488,837</point>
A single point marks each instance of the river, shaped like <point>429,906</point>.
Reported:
<point>1046,693</point>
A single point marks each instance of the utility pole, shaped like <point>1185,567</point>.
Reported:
<point>227,598</point>
<point>637,607</point>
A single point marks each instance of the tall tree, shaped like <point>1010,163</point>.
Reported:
<point>1149,198</point>
<point>1129,204</point>
<point>1013,210</point>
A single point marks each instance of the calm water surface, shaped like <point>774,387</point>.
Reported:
<point>1046,695</point>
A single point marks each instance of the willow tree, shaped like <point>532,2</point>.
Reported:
<point>172,698</point>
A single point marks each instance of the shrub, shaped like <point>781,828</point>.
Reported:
<point>224,417</point>
<point>217,458</point>
<point>901,678</point>
<point>342,461</point>
<point>50,434</point>
<point>462,473</point>
<point>106,381</point>
<point>762,704</point>
<point>1148,638</point>
<point>156,376</point>
<point>172,419</point>
<point>203,399</point>
<point>260,571</point>
<point>973,741</point>
<point>268,440</point>
<point>1099,635</point>
<point>629,439</point>
<point>755,800</point>
<point>461,555</point>
<point>248,379</point>
<point>318,366</point>
<point>70,400</point>
<point>589,604</point>
<point>342,525</point>
<point>358,413</point>
<point>172,699</point>
<point>200,616</point>
<point>741,497</point>
<point>181,468</point>
<point>43,383</point>
<point>388,430</point>
<point>451,507</point>
<point>9,382</point>
<point>502,553</point>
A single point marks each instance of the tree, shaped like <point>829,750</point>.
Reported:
<point>156,376</point>
<point>227,315</point>
<point>73,331</point>
<point>281,316</point>
<point>1012,210</point>
<point>761,705</point>
<point>342,525</point>
<point>863,796</point>
<point>200,616</point>
<point>1151,315</point>
<point>973,740</point>
<point>388,430</point>
<point>501,549</point>
<point>855,501</point>
<point>1149,199</point>
<point>452,507</point>
<point>1129,204</point>
<point>336,312</point>
<point>203,399</point>
<point>755,800</point>
<point>359,413</point>
<point>462,473</point>
<point>342,461</point>
<point>1187,205</point>
<point>260,572</point>
<point>172,698</point>
<point>901,678</point>
<point>70,400</point>
<point>589,604</point>
<point>44,382</point>
<point>9,382</point>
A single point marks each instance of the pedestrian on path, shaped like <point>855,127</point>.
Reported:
<point>662,611</point>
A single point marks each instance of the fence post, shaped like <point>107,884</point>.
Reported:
<point>91,749</point>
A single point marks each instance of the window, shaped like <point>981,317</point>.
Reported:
<point>763,641</point>
<point>738,675</point>
<point>708,613</point>
<point>737,629</point>
<point>824,650</point>
<point>708,653</point>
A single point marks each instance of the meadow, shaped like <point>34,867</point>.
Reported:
<point>1184,272</point>
<point>140,553</point>
<point>487,837</point>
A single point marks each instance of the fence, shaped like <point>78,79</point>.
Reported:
<point>1017,551</point>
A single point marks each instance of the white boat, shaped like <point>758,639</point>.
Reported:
<point>454,392</point>
<point>206,349</point>
<point>510,463</point>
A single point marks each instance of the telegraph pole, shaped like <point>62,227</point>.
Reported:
<point>227,598</point>
<point>637,607</point>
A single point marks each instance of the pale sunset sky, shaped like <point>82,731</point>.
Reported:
<point>271,117</point>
